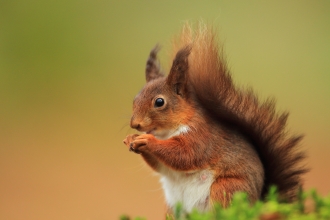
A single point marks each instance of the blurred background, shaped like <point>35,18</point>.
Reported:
<point>70,69</point>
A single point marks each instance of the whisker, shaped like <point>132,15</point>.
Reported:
<point>123,127</point>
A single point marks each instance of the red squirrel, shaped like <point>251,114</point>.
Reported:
<point>206,137</point>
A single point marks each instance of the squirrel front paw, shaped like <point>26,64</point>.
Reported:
<point>138,143</point>
<point>129,139</point>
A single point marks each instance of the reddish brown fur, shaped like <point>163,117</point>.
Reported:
<point>241,140</point>
<point>258,121</point>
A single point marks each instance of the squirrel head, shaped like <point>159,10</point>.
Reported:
<point>163,107</point>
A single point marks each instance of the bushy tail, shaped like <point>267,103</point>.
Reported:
<point>241,108</point>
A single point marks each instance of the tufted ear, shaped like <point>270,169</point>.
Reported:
<point>178,76</point>
<point>153,68</point>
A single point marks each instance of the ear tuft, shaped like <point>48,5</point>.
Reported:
<point>179,71</point>
<point>152,67</point>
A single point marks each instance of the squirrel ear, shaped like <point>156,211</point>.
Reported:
<point>152,68</point>
<point>178,75</point>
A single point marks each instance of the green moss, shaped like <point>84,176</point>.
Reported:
<point>271,209</point>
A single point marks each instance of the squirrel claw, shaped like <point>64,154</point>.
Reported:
<point>128,141</point>
<point>131,149</point>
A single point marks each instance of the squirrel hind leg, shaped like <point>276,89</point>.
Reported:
<point>223,189</point>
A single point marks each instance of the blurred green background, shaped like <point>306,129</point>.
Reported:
<point>70,69</point>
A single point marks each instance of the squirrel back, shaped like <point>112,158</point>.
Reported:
<point>206,137</point>
<point>257,120</point>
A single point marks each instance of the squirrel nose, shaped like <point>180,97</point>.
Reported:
<point>135,124</point>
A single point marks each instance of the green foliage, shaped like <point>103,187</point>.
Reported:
<point>125,217</point>
<point>309,206</point>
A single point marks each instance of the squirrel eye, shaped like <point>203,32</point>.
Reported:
<point>159,102</point>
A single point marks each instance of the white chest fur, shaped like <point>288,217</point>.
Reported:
<point>191,189</point>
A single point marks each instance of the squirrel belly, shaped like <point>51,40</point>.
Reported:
<point>206,137</point>
<point>191,189</point>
